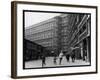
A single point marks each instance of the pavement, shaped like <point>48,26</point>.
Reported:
<point>50,63</point>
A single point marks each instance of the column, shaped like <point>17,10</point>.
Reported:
<point>81,44</point>
<point>81,52</point>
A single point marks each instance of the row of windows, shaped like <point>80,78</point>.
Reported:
<point>49,43</point>
<point>42,35</point>
<point>41,28</point>
<point>33,31</point>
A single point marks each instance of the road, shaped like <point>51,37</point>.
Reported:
<point>50,63</point>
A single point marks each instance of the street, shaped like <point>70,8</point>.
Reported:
<point>50,63</point>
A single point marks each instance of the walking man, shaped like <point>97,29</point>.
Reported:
<point>43,61</point>
<point>85,55</point>
<point>60,57</point>
<point>73,56</point>
<point>67,57</point>
<point>55,58</point>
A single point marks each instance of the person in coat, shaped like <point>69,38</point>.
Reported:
<point>60,57</point>
<point>43,60</point>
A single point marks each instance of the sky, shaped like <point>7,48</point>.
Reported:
<point>32,18</point>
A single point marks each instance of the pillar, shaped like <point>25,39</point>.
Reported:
<point>87,57</point>
<point>81,44</point>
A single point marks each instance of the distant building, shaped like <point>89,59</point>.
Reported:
<point>52,33</point>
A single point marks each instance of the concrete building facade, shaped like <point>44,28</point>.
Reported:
<point>52,33</point>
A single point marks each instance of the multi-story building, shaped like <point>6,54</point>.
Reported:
<point>52,33</point>
<point>67,23</point>
<point>43,33</point>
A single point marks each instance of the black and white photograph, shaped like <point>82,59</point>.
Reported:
<point>55,39</point>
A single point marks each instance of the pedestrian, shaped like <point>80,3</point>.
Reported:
<point>67,57</point>
<point>60,57</point>
<point>43,61</point>
<point>54,60</point>
<point>85,55</point>
<point>73,56</point>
